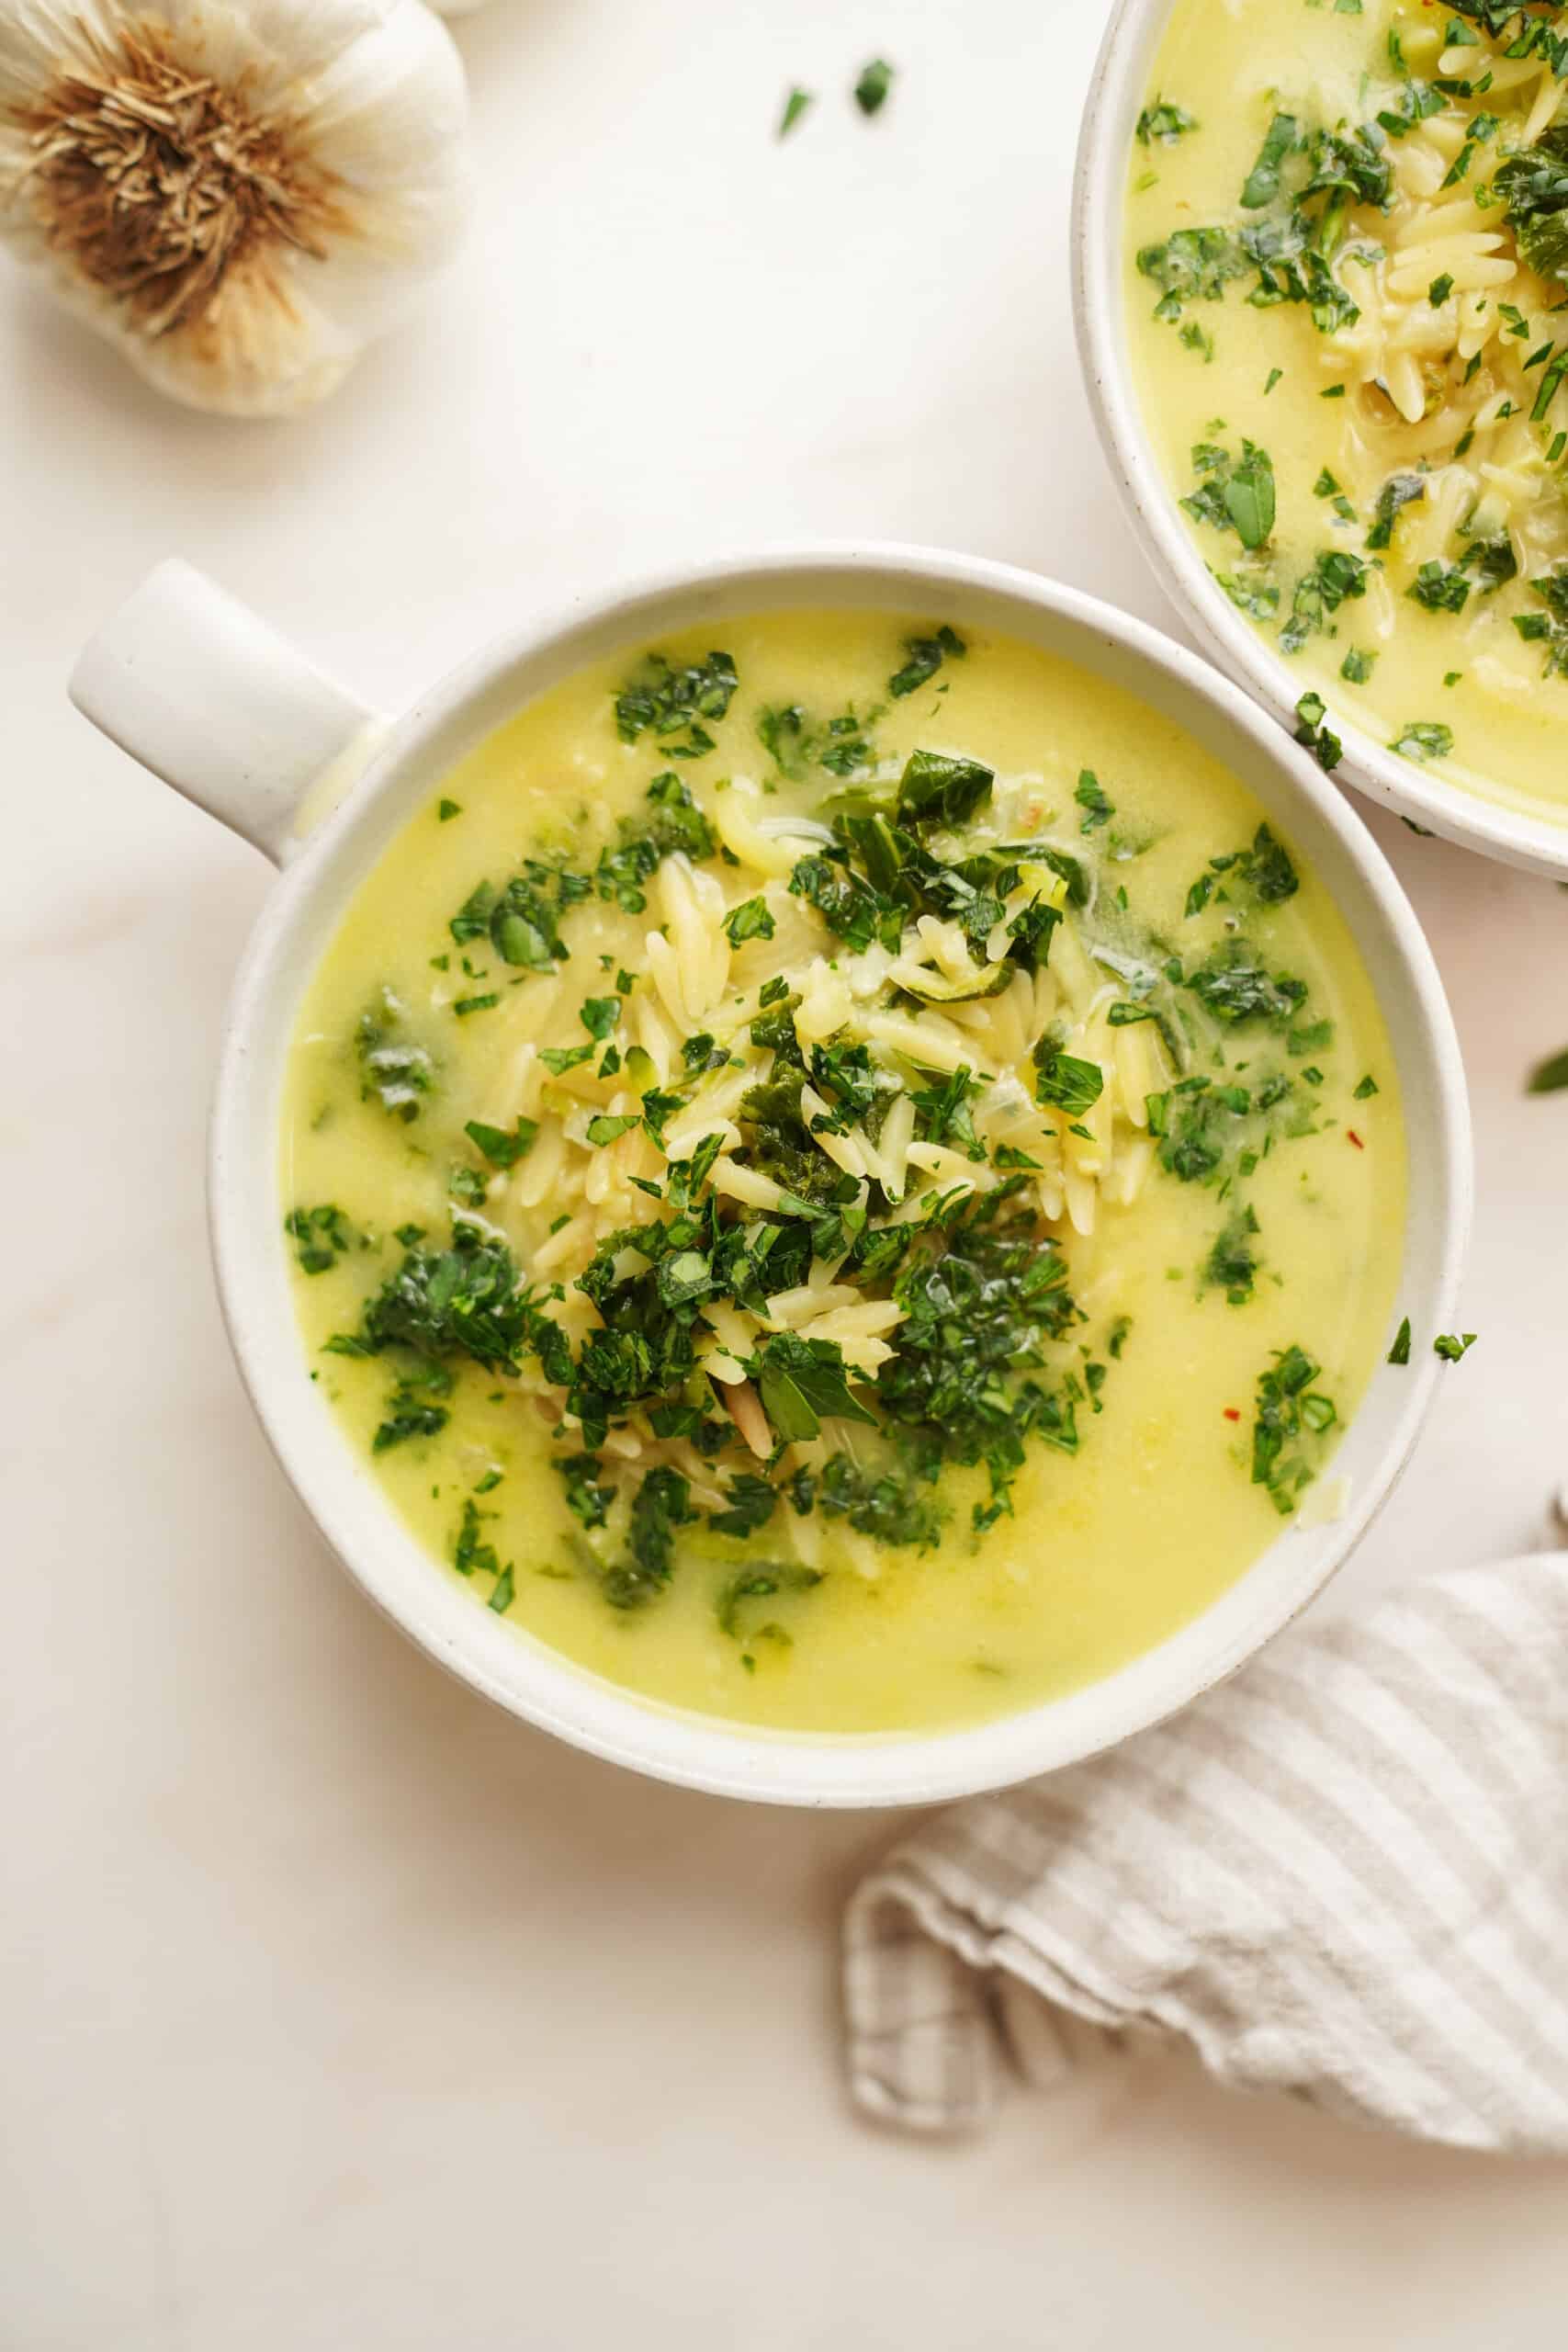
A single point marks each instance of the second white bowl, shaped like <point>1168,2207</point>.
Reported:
<point>1100,310</point>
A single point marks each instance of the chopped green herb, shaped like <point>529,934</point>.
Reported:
<point>606,1127</point>
<point>925,656</point>
<point>1090,798</point>
<point>1452,1345</point>
<point>751,921</point>
<point>1320,740</point>
<point>1440,587</point>
<point>1232,1263</point>
<point>599,1015</point>
<point>795,105</point>
<point>1165,123</point>
<point>1548,1076</point>
<point>673,704</point>
<point>1262,184</point>
<point>1065,1082</point>
<point>558,1060</point>
<point>395,1070</point>
<point>1399,491</point>
<point>871,89</point>
<point>411,1410</point>
<point>803,1382</point>
<point>320,1235</point>
<point>1424,740</point>
<point>1399,1352</point>
<point>1287,1405</point>
<point>502,1148</point>
<point>936,790</point>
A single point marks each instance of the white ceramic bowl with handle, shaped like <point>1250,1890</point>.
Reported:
<point>207,698</point>
<point>1117,94</point>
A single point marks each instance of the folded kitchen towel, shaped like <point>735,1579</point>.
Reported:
<point>1343,1875</point>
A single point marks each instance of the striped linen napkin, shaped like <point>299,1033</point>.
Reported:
<point>1342,1874</point>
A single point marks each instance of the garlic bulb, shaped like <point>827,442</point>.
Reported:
<point>241,194</point>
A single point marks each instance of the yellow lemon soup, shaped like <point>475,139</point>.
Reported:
<point>841,1175</point>
<point>1347,270</point>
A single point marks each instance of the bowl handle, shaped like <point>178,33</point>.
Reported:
<point>190,683</point>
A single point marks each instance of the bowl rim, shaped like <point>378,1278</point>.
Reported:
<point>349,1507</point>
<point>1512,837</point>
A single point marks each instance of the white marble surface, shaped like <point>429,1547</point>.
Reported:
<point>337,2010</point>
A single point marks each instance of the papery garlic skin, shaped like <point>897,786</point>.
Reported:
<point>319,147</point>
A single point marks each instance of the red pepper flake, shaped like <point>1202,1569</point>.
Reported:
<point>1355,1138</point>
<point>1232,1414</point>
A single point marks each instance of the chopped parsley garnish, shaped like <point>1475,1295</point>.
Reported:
<point>469,1300</point>
<point>1424,740</point>
<point>1320,740</point>
<point>924,656</point>
<point>521,920</point>
<point>1262,184</point>
<point>1232,1263</point>
<point>599,1015</point>
<point>558,1060</point>
<point>750,921</point>
<point>1192,265</point>
<point>672,704</point>
<point>1399,1352</point>
<point>1234,495</point>
<point>394,1070</point>
<point>447,809</point>
<point>803,1382</point>
<point>500,1147</point>
<point>760,1584</point>
<point>320,1235</point>
<point>937,790</point>
<point>1452,1345</point>
<point>661,1506</point>
<point>1264,871</point>
<point>1336,575</point>
<point>1440,587</point>
<point>1236,989</point>
<point>1289,1412</point>
<point>871,87</point>
<point>471,1555</point>
<point>795,105</point>
<point>1548,1076</point>
<point>1165,123</point>
<point>412,1409</point>
<point>673,821</point>
<point>1092,798</point>
<point>1065,1081</point>
<point>1549,628</point>
<point>586,1499</point>
<point>1398,492</point>
<point>1534,187</point>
